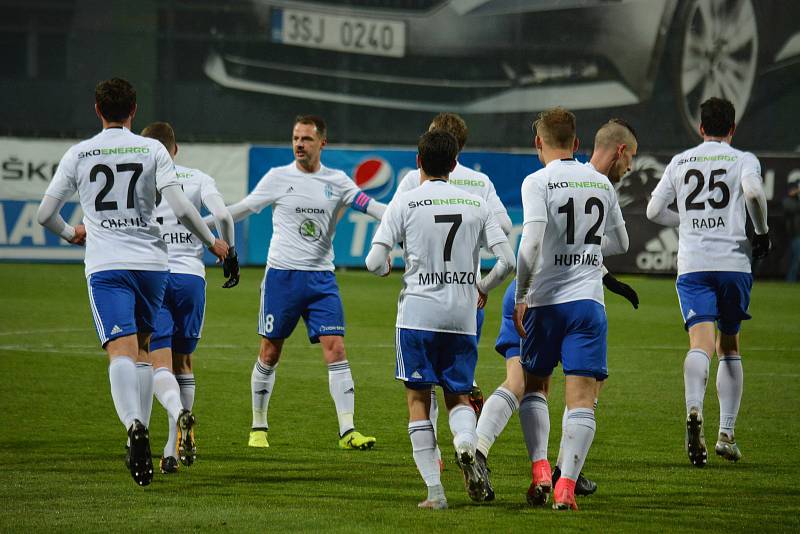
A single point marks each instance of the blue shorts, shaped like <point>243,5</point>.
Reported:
<point>125,302</point>
<point>573,333</point>
<point>479,317</point>
<point>288,295</point>
<point>426,358</point>
<point>508,340</point>
<point>715,296</point>
<point>180,319</point>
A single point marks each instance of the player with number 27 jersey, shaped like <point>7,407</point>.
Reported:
<point>117,206</point>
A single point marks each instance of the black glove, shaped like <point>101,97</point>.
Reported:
<point>621,288</point>
<point>230,268</point>
<point>761,246</point>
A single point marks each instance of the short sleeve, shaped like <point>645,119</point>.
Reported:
<point>390,230</point>
<point>208,187</point>
<point>264,193</point>
<point>492,233</point>
<point>165,168</point>
<point>534,200</point>
<point>64,182</point>
<point>410,181</point>
<point>665,188</point>
<point>751,167</point>
<point>615,219</point>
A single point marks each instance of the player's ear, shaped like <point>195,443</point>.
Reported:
<point>575,144</point>
<point>702,131</point>
<point>733,130</point>
<point>175,153</point>
<point>453,165</point>
<point>133,111</point>
<point>419,162</point>
<point>537,142</point>
<point>621,150</point>
<point>97,111</point>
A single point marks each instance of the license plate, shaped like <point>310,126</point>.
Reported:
<point>359,35</point>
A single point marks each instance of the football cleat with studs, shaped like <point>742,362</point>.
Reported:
<point>727,448</point>
<point>168,464</point>
<point>355,440</point>
<point>695,440</point>
<point>140,463</point>
<point>187,449</point>
<point>541,483</point>
<point>258,438</point>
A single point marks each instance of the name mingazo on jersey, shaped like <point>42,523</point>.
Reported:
<point>444,202</point>
<point>114,151</point>
<point>319,211</point>
<point>578,185</point>
<point>447,277</point>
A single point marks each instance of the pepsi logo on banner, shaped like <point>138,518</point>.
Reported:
<point>374,176</point>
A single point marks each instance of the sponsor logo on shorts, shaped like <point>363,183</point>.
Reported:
<point>310,230</point>
<point>116,330</point>
<point>416,375</point>
<point>691,314</point>
<point>336,328</point>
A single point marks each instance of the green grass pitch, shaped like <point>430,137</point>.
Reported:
<point>61,445</point>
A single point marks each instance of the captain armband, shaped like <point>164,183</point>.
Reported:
<point>361,202</point>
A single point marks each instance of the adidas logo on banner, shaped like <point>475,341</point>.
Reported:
<point>416,375</point>
<point>660,253</point>
<point>116,330</point>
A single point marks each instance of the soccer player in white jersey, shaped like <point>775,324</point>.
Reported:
<point>117,175</point>
<point>615,146</point>
<point>306,199</point>
<point>441,227</point>
<point>476,183</point>
<point>571,220</point>
<point>714,185</point>
<point>180,320</point>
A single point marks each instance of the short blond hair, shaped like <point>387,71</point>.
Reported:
<point>453,124</point>
<point>615,132</point>
<point>161,131</point>
<point>556,127</point>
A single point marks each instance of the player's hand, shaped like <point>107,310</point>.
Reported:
<point>519,315</point>
<point>388,269</point>
<point>230,268</point>
<point>761,246</point>
<point>219,249</point>
<point>80,235</point>
<point>483,298</point>
<point>621,288</point>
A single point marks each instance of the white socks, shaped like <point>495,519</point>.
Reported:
<point>125,389</point>
<point>535,419</point>
<point>462,425</point>
<point>695,377</point>
<point>340,384</point>
<point>144,373</point>
<point>168,394</point>
<point>433,415</point>
<point>186,383</point>
<point>497,410</point>
<point>730,383</point>
<point>262,380</point>
<point>579,432</point>
<point>423,443</point>
<point>564,434</point>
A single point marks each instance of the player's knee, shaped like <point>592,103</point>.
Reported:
<point>537,384</point>
<point>727,345</point>
<point>333,350</point>
<point>182,363</point>
<point>269,352</point>
<point>516,385</point>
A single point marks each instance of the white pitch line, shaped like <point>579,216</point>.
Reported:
<point>43,331</point>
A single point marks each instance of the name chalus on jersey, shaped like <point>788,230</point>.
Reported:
<point>444,202</point>
<point>113,224</point>
<point>447,277</point>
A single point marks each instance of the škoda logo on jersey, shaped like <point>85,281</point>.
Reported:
<point>310,230</point>
<point>374,176</point>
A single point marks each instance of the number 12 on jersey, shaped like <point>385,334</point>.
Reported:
<point>592,238</point>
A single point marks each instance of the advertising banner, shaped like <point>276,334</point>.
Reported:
<point>28,165</point>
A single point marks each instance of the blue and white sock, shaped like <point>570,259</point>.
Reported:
<point>534,417</point>
<point>497,410</point>
<point>730,384</point>
<point>262,381</point>
<point>343,392</point>
<point>580,430</point>
<point>187,385</point>
<point>423,445</point>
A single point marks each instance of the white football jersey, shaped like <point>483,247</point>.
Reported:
<point>441,227</point>
<point>185,250</point>
<point>578,204</point>
<point>470,180</point>
<point>305,208</point>
<point>116,174</point>
<point>707,182</point>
